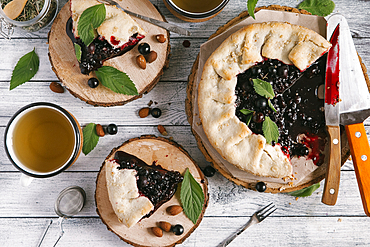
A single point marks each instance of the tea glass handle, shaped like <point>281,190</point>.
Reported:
<point>6,29</point>
<point>25,180</point>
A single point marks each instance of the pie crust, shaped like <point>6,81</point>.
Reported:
<point>291,44</point>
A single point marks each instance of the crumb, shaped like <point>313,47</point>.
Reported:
<point>290,203</point>
<point>150,103</point>
<point>295,178</point>
<point>297,198</point>
<point>350,158</point>
<point>171,138</point>
<point>290,183</point>
<point>339,220</point>
<point>296,173</point>
<point>156,103</point>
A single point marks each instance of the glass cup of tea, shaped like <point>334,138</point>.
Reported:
<point>42,140</point>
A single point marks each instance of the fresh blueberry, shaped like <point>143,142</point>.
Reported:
<point>209,171</point>
<point>260,186</point>
<point>112,129</point>
<point>93,82</point>
<point>144,48</point>
<point>177,229</point>
<point>156,112</point>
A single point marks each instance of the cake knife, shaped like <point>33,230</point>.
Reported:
<point>332,106</point>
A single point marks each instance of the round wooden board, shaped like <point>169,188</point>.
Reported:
<point>314,177</point>
<point>65,65</point>
<point>170,156</point>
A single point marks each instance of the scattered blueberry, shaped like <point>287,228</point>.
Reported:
<point>93,82</point>
<point>156,112</point>
<point>112,129</point>
<point>261,102</point>
<point>144,48</point>
<point>209,171</point>
<point>260,186</point>
<point>177,229</point>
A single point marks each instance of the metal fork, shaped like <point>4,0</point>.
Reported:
<point>257,217</point>
<point>162,24</point>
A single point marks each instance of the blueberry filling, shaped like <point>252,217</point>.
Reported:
<point>299,110</point>
<point>93,56</point>
<point>153,182</point>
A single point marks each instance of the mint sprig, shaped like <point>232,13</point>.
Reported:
<point>90,138</point>
<point>251,5</point>
<point>305,192</point>
<point>116,80</point>
<point>249,115</point>
<point>192,197</point>
<point>78,52</point>
<point>270,130</point>
<point>318,7</point>
<point>90,19</point>
<point>26,68</point>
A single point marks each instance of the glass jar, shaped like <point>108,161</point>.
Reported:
<point>44,18</point>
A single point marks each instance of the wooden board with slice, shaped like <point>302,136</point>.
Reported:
<point>170,156</point>
<point>312,178</point>
<point>65,65</point>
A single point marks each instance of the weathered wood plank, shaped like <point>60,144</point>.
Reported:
<point>355,11</point>
<point>274,231</point>
<point>226,198</point>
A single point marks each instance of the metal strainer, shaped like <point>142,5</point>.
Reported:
<point>70,201</point>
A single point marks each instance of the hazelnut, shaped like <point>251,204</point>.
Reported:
<point>162,130</point>
<point>157,231</point>
<point>144,112</point>
<point>174,209</point>
<point>151,57</point>
<point>99,130</point>
<point>160,38</point>
<point>165,226</point>
<point>140,60</point>
<point>56,87</point>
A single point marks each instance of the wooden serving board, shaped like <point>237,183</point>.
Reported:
<point>315,176</point>
<point>170,156</point>
<point>65,65</point>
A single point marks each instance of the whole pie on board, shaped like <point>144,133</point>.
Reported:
<point>288,57</point>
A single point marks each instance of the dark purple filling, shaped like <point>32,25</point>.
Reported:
<point>299,110</point>
<point>154,182</point>
<point>93,56</point>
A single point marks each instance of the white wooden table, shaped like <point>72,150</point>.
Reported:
<point>25,212</point>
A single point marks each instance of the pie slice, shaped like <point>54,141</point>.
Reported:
<point>136,189</point>
<point>118,34</point>
<point>290,59</point>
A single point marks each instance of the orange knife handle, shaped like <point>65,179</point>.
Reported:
<point>332,180</point>
<point>360,151</point>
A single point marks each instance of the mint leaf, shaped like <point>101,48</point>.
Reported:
<point>318,7</point>
<point>116,80</point>
<point>270,130</point>
<point>191,196</point>
<point>263,88</point>
<point>249,114</point>
<point>271,105</point>
<point>78,52</point>
<point>251,4</point>
<point>90,138</point>
<point>306,191</point>
<point>90,19</point>
<point>26,68</point>
<point>246,111</point>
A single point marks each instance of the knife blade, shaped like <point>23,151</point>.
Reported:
<point>332,107</point>
<point>355,108</point>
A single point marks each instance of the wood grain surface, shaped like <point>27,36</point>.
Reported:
<point>25,212</point>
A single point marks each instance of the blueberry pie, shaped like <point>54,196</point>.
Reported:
<point>136,189</point>
<point>118,34</point>
<point>292,60</point>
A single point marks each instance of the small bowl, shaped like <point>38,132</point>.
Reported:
<point>185,13</point>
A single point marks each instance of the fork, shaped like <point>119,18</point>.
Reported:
<point>256,218</point>
<point>162,24</point>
